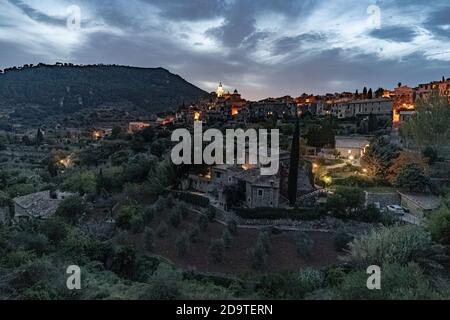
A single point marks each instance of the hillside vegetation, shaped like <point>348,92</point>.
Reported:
<point>66,88</point>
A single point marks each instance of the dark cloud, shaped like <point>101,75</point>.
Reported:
<point>36,14</point>
<point>287,44</point>
<point>439,22</point>
<point>190,10</point>
<point>394,33</point>
<point>128,36</point>
<point>240,17</point>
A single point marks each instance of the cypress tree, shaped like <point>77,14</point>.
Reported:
<point>293,167</point>
<point>39,137</point>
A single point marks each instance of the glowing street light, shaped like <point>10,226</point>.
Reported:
<point>328,180</point>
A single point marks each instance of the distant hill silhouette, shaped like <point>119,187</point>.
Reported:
<point>67,88</point>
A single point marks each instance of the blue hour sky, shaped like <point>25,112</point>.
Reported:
<point>263,48</point>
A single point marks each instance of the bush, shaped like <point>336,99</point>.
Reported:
<point>194,199</point>
<point>430,154</point>
<point>345,202</point>
<point>183,210</point>
<point>160,204</point>
<point>211,213</point>
<point>311,279</point>
<point>182,244</point>
<point>400,244</point>
<point>35,242</point>
<point>258,256</point>
<point>232,226</point>
<point>81,182</point>
<point>175,217</point>
<point>412,177</point>
<point>17,258</point>
<point>368,214</point>
<point>202,222</point>
<point>137,223</point>
<point>54,229</point>
<point>149,214</point>
<point>438,224</point>
<point>216,251</point>
<point>162,229</point>
<point>278,213</point>
<point>304,244</point>
<point>194,234</point>
<point>164,285</point>
<point>125,262</point>
<point>342,240</point>
<point>226,238</point>
<point>264,240</point>
<point>71,209</point>
<point>128,216</point>
<point>334,276</point>
<point>149,239</point>
<point>355,181</point>
<point>399,282</point>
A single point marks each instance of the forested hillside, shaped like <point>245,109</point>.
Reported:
<point>66,88</point>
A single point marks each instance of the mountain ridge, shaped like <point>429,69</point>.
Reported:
<point>66,88</point>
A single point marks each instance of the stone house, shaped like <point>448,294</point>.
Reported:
<point>262,191</point>
<point>351,147</point>
<point>39,205</point>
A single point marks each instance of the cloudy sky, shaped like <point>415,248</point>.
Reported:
<point>261,47</point>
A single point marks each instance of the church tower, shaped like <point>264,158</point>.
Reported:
<point>220,92</point>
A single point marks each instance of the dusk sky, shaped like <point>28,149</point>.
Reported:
<point>263,48</point>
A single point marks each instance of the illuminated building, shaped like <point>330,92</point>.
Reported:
<point>404,100</point>
<point>220,92</point>
<point>134,127</point>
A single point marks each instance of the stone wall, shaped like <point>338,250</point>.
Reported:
<point>384,199</point>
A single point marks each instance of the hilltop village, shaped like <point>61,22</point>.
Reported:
<point>349,164</point>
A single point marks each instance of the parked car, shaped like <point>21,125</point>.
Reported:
<point>396,209</point>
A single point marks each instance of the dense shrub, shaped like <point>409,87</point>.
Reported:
<point>194,234</point>
<point>175,217</point>
<point>232,226</point>
<point>342,240</point>
<point>162,229</point>
<point>194,199</point>
<point>304,244</point>
<point>400,244</point>
<point>216,251</point>
<point>149,239</point>
<point>278,213</point>
<point>438,224</point>
<point>258,256</point>
<point>211,213</point>
<point>355,181</point>
<point>202,222</point>
<point>182,244</point>
<point>71,209</point>
<point>226,238</point>
<point>398,282</point>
